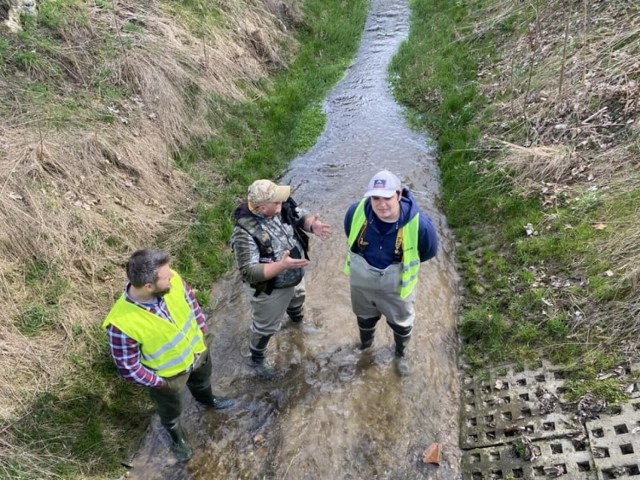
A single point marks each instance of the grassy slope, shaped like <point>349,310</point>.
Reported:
<point>525,297</point>
<point>84,426</point>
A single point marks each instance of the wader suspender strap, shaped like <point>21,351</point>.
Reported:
<point>397,253</point>
<point>361,243</point>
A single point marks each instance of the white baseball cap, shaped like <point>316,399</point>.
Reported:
<point>383,184</point>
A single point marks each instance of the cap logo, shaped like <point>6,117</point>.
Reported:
<point>379,183</point>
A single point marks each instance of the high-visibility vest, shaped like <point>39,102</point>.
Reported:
<point>410,254</point>
<point>167,348</point>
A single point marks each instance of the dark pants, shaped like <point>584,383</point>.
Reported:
<point>169,400</point>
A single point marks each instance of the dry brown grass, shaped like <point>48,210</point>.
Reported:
<point>569,79</point>
<point>84,197</point>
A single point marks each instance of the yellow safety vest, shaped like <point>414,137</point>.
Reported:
<point>410,254</point>
<point>167,348</point>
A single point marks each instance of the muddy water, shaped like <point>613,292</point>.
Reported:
<point>337,413</point>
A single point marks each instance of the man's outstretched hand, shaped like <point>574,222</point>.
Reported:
<point>318,228</point>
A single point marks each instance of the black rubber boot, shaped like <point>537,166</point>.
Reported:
<point>296,314</point>
<point>218,403</point>
<point>258,346</point>
<point>401,335</point>
<point>199,385</point>
<point>367,328</point>
<point>179,444</point>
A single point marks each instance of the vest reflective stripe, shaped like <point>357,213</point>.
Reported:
<point>179,361</point>
<point>410,253</point>
<point>410,257</point>
<point>179,336</point>
<point>168,348</point>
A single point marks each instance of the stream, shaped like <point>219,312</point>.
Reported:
<point>337,413</point>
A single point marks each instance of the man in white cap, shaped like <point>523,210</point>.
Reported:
<point>388,239</point>
<point>271,245</point>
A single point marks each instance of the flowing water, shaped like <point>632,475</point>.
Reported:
<point>337,413</point>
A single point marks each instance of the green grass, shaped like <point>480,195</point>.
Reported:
<point>58,80</point>
<point>258,139</point>
<point>61,15</point>
<point>45,277</point>
<point>84,426</point>
<point>512,309</point>
<point>610,389</point>
<point>201,16</point>
<point>36,318</point>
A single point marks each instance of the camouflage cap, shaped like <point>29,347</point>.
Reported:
<point>263,191</point>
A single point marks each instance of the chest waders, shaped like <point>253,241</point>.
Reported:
<point>252,225</point>
<point>406,254</point>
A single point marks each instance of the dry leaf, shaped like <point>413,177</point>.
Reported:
<point>432,454</point>
<point>599,226</point>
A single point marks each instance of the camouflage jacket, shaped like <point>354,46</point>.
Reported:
<point>257,240</point>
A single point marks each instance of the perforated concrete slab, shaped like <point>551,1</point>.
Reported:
<point>559,458</point>
<point>500,410</point>
<point>615,443</point>
<point>511,403</point>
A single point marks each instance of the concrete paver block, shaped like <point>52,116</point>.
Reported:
<point>558,458</point>
<point>510,404</point>
<point>501,409</point>
<point>615,443</point>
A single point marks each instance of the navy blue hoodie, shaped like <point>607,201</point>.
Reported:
<point>381,236</point>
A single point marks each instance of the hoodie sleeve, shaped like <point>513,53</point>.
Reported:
<point>427,239</point>
<point>348,217</point>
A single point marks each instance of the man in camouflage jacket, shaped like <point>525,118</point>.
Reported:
<point>270,244</point>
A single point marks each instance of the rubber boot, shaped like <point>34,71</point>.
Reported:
<point>179,444</point>
<point>401,335</point>
<point>258,346</point>
<point>367,328</point>
<point>218,403</point>
<point>199,384</point>
<point>296,314</point>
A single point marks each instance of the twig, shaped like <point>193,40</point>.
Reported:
<point>533,46</point>
<point>564,49</point>
<point>584,42</point>
<point>289,466</point>
<point>591,117</point>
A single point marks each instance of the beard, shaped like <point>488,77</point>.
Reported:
<point>162,293</point>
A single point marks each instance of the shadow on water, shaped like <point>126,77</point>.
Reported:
<point>337,413</point>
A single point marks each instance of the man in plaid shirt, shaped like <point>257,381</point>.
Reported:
<point>156,332</point>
